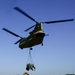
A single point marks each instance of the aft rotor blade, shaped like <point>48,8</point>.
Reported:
<point>24,13</point>
<point>58,21</point>
<point>18,41</point>
<point>11,32</point>
<point>29,28</point>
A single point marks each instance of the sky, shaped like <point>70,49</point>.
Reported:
<point>57,56</point>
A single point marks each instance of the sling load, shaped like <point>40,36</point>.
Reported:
<point>25,73</point>
<point>30,63</point>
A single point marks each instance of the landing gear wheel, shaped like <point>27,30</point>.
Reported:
<point>21,48</point>
<point>42,44</point>
<point>31,48</point>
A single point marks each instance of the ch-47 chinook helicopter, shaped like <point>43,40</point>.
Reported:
<point>37,35</point>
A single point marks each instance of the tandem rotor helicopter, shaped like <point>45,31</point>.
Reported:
<point>37,35</point>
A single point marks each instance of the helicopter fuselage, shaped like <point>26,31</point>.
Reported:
<point>32,40</point>
<point>36,36</point>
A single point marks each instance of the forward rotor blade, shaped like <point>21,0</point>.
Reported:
<point>30,28</point>
<point>24,13</point>
<point>11,32</point>
<point>58,21</point>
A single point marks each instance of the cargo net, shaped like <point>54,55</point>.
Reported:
<point>30,63</point>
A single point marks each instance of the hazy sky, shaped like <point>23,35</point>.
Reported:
<point>57,56</point>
